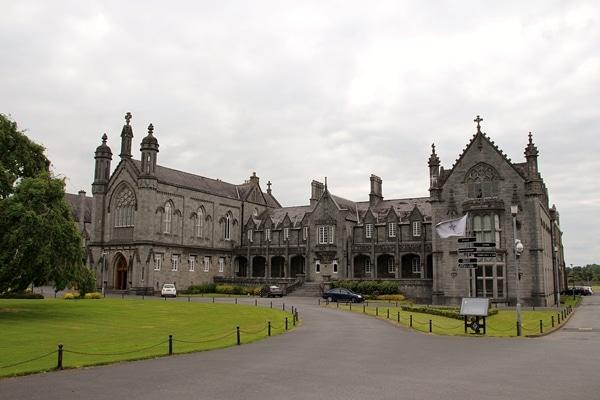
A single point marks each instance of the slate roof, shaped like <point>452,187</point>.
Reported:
<point>355,211</point>
<point>402,207</point>
<point>73,201</point>
<point>169,176</point>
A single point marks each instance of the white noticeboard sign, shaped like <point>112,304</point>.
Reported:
<point>475,306</point>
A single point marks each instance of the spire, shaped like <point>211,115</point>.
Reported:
<point>434,174</point>
<point>103,156</point>
<point>531,155</point>
<point>126,137</point>
<point>434,160</point>
<point>149,149</point>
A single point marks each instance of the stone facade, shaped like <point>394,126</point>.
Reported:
<point>153,225</point>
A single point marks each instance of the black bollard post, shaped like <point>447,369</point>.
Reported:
<point>60,356</point>
<point>552,319</point>
<point>377,311</point>
<point>269,329</point>
<point>170,345</point>
<point>430,326</point>
<point>388,313</point>
<point>541,326</point>
<point>411,320</point>
<point>238,336</point>
<point>286,323</point>
<point>398,316</point>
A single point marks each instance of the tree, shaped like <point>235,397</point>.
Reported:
<point>19,156</point>
<point>39,240</point>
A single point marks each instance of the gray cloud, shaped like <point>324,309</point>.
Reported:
<point>302,91</point>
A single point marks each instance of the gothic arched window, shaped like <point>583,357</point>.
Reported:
<point>482,181</point>
<point>124,208</point>
<point>200,222</point>
<point>168,218</point>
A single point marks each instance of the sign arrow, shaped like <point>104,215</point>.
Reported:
<point>467,261</point>
<point>484,244</point>
<point>467,250</point>
<point>466,239</point>
<point>485,255</point>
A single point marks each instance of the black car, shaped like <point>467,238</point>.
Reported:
<point>271,291</point>
<point>578,292</point>
<point>342,294</point>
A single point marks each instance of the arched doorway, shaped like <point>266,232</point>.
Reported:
<point>121,273</point>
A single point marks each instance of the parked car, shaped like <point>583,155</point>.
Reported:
<point>271,291</point>
<point>589,289</point>
<point>342,294</point>
<point>168,289</point>
<point>578,292</point>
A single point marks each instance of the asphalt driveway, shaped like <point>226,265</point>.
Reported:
<point>336,354</point>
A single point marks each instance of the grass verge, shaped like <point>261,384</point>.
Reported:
<point>105,331</point>
<point>502,324</point>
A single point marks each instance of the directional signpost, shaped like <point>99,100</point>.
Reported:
<point>473,253</point>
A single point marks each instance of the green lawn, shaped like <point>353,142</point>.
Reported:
<point>104,331</point>
<point>501,325</point>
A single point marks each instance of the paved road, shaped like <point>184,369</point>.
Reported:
<point>336,354</point>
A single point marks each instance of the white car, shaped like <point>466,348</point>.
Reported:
<point>168,289</point>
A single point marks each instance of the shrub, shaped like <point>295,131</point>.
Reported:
<point>448,312</point>
<point>224,289</point>
<point>391,297</point>
<point>201,289</point>
<point>71,296</point>
<point>86,281</point>
<point>94,295</point>
<point>21,295</point>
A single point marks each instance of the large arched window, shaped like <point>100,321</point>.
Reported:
<point>168,217</point>
<point>227,227</point>
<point>482,181</point>
<point>124,208</point>
<point>199,229</point>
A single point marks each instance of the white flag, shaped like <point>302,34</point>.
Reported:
<point>454,227</point>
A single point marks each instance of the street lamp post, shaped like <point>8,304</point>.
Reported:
<point>573,274</point>
<point>103,268</point>
<point>557,283</point>
<point>518,247</point>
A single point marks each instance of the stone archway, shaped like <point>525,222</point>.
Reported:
<point>121,273</point>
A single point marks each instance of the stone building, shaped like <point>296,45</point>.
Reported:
<point>484,184</point>
<point>152,225</point>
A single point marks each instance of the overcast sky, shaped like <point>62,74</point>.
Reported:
<point>302,90</point>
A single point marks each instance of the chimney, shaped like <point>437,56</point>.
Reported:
<point>317,189</point>
<point>375,197</point>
